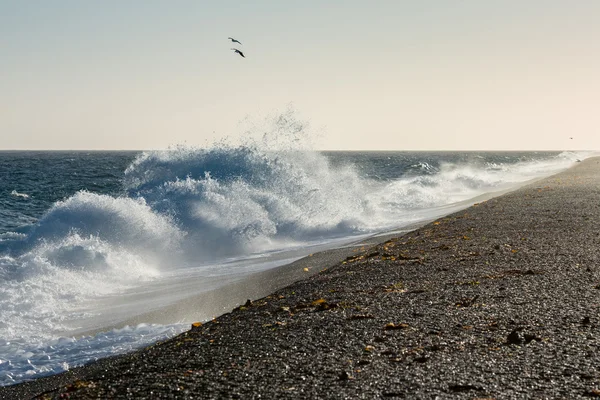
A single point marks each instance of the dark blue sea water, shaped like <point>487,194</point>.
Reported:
<point>88,238</point>
<point>44,178</point>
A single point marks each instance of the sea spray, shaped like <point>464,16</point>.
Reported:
<point>237,199</point>
<point>122,221</point>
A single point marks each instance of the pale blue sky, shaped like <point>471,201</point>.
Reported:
<point>397,75</point>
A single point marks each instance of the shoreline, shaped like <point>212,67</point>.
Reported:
<point>498,299</point>
<point>215,302</point>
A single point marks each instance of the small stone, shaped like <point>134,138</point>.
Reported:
<point>529,337</point>
<point>514,337</point>
<point>392,325</point>
<point>344,376</point>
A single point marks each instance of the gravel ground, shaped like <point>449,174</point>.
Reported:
<point>500,300</point>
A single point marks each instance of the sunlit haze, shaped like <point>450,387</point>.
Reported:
<point>377,75</point>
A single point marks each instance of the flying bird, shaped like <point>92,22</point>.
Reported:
<point>234,40</point>
<point>239,52</point>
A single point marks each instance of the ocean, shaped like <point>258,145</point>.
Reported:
<point>90,239</point>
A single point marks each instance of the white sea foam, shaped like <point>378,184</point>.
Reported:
<point>120,221</point>
<point>10,236</point>
<point>21,361</point>
<point>21,195</point>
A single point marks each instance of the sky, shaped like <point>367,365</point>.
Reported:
<point>365,75</point>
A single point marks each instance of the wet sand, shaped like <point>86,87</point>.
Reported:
<point>500,300</point>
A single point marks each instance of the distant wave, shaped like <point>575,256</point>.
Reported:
<point>17,194</point>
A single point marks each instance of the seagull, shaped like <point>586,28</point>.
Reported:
<point>234,40</point>
<point>239,52</point>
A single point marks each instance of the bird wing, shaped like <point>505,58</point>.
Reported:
<point>239,52</point>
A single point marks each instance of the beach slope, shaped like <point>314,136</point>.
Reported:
<point>500,300</point>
